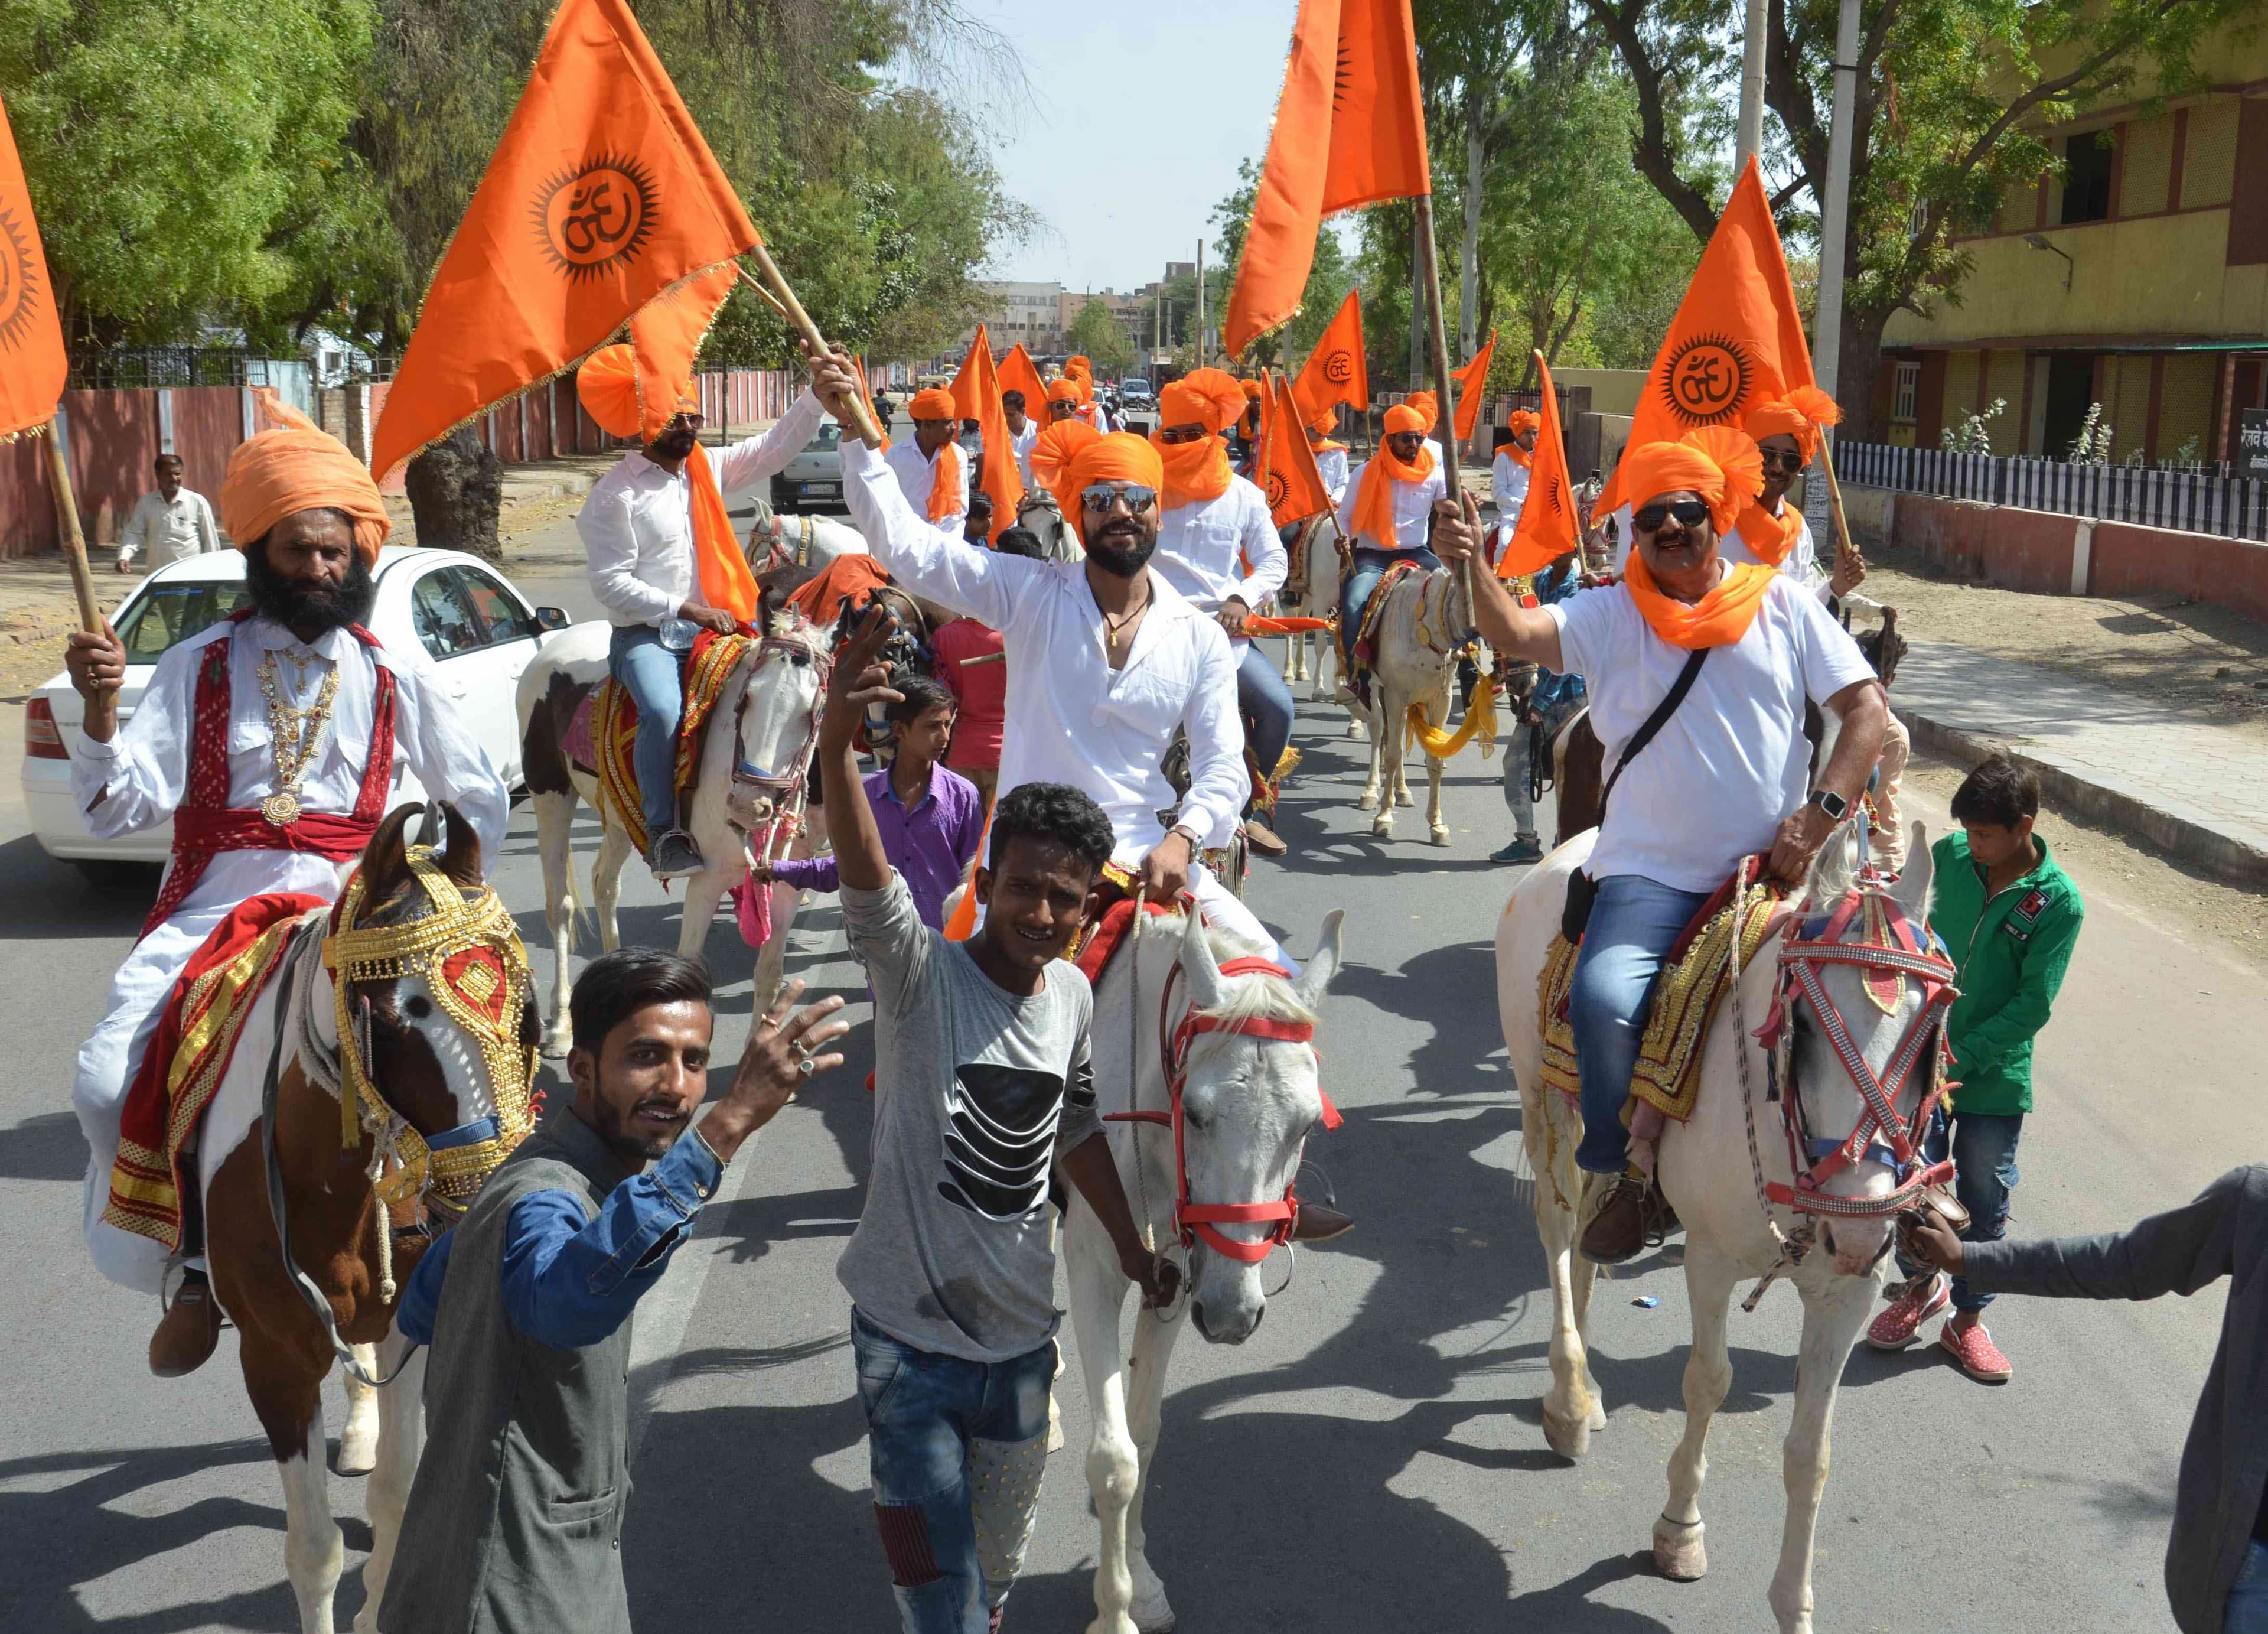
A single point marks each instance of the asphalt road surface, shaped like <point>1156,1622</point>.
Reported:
<point>1373,1459</point>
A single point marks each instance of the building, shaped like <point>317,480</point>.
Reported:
<point>1021,313</point>
<point>2136,278</point>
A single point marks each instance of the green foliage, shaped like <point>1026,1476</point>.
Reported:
<point>1095,332</point>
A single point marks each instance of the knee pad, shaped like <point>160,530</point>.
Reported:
<point>1004,1495</point>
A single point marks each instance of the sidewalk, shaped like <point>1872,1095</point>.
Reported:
<point>2194,788</point>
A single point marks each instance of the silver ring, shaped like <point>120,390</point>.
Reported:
<point>806,1066</point>
<point>801,1048</point>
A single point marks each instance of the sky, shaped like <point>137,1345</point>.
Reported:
<point>1139,115</point>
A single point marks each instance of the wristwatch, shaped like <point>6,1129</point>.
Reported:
<point>1833,804</point>
<point>1196,840</point>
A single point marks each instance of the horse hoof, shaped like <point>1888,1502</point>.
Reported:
<point>1403,797</point>
<point>1152,1614</point>
<point>1441,836</point>
<point>555,1045</point>
<point>1367,803</point>
<point>1678,1554</point>
<point>1570,1438</point>
<point>1383,829</point>
<point>358,1454</point>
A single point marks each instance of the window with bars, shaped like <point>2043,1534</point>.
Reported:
<point>1906,389</point>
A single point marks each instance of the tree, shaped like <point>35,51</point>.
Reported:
<point>1951,97</point>
<point>1329,276</point>
<point>1096,332</point>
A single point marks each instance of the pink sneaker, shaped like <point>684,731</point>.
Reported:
<point>1920,1299</point>
<point>1973,1351</point>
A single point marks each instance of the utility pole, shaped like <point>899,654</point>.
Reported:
<point>1201,321</point>
<point>1752,135</point>
<point>1822,500</point>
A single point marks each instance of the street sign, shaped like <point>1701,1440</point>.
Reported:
<point>2252,443</point>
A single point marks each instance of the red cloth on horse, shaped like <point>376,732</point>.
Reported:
<point>851,579</point>
<point>204,825</point>
<point>197,1027</point>
<point>1107,933</point>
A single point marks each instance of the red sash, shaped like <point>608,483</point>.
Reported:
<point>203,825</point>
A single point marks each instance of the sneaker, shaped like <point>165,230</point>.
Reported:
<point>1524,849</point>
<point>1910,1306</point>
<point>675,856</point>
<point>1973,1351</point>
<point>1263,839</point>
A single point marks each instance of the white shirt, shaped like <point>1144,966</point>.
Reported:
<point>1071,718</point>
<point>1733,761</point>
<point>1413,509</point>
<point>1204,549</point>
<point>173,530</point>
<point>916,474</point>
<point>638,523</point>
<point>1508,483</point>
<point>1022,441</point>
<point>1331,466</point>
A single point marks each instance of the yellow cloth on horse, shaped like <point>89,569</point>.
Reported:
<point>613,730</point>
<point>1480,721</point>
<point>1667,1077</point>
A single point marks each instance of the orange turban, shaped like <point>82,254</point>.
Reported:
<point>1078,363</point>
<point>1799,414</point>
<point>607,387</point>
<point>1207,397</point>
<point>1524,420</point>
<point>1062,389</point>
<point>1112,457</point>
<point>936,404</point>
<point>1716,462</point>
<point>1252,390</point>
<point>1405,417</point>
<point>1427,404</point>
<point>299,468</point>
<point>1052,449</point>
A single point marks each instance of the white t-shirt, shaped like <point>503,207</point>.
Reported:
<point>1733,761</point>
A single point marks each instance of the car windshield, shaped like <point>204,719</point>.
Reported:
<point>825,441</point>
<point>167,613</point>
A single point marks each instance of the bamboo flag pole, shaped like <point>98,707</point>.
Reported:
<point>1844,548</point>
<point>798,319</point>
<point>90,610</point>
<point>1430,270</point>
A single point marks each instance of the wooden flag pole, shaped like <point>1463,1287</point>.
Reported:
<point>1430,276</point>
<point>798,319</point>
<point>90,610</point>
<point>1843,546</point>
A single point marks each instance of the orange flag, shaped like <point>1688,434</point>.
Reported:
<point>1472,387</point>
<point>1737,339</point>
<point>1549,527</point>
<point>1336,372</point>
<point>996,474</point>
<point>1018,373</point>
<point>1285,468</point>
<point>32,366</point>
<point>602,196</point>
<point>1350,131</point>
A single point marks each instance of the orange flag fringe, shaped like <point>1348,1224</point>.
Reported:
<point>34,368</point>
<point>1737,339</point>
<point>996,474</point>
<point>1472,387</point>
<point>1336,372</point>
<point>1350,130</point>
<point>1549,527</point>
<point>602,194</point>
<point>1285,468</point>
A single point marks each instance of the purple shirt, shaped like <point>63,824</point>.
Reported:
<point>932,845</point>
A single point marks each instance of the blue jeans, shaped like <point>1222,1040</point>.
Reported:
<point>637,658</point>
<point>1265,703</point>
<point>1370,566</point>
<point>1519,793</point>
<point>1634,922</point>
<point>2248,1597</point>
<point>1983,1147</point>
<point>933,1422</point>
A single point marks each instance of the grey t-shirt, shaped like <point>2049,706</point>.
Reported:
<point>974,1092</point>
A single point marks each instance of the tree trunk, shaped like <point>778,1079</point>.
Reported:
<point>456,493</point>
<point>1858,369</point>
<point>1468,251</point>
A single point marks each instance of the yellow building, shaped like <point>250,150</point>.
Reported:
<point>2137,279</point>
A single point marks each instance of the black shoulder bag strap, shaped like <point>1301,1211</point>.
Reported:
<point>1581,887</point>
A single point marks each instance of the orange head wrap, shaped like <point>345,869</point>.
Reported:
<point>936,404</point>
<point>1115,457</point>
<point>1252,390</point>
<point>1799,414</point>
<point>1427,404</point>
<point>1207,397</point>
<point>1403,417</point>
<point>1052,449</point>
<point>300,468</point>
<point>1373,504</point>
<point>1063,390</point>
<point>1523,420</point>
<point>607,387</point>
<point>1716,462</point>
<point>1078,363</point>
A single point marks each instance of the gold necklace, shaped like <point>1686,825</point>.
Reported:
<point>294,735</point>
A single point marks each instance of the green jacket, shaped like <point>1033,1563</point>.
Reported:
<point>2010,949</point>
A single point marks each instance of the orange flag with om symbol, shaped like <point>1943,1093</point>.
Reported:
<point>1548,528</point>
<point>1285,469</point>
<point>32,366</point>
<point>1737,339</point>
<point>602,196</point>
<point>1336,370</point>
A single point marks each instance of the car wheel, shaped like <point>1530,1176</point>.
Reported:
<point>108,874</point>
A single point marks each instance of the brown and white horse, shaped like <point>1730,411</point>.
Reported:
<point>433,1080</point>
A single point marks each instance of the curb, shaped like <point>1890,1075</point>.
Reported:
<point>2227,859</point>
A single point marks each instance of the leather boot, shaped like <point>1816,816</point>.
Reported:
<point>189,1331</point>
<point>1634,1215</point>
<point>1318,1222</point>
<point>1263,839</point>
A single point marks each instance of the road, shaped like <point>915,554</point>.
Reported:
<point>1373,1459</point>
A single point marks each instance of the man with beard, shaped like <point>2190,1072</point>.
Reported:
<point>272,742</point>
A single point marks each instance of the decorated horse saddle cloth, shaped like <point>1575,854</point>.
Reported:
<point>1364,648</point>
<point>602,735</point>
<point>198,1028</point>
<point>1679,1006</point>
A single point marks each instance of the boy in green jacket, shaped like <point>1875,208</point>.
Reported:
<point>2009,918</point>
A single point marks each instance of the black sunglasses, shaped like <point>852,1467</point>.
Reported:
<point>1783,458</point>
<point>1689,512</point>
<point>1101,495</point>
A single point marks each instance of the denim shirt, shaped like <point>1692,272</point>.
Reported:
<point>567,1283</point>
<point>1555,691</point>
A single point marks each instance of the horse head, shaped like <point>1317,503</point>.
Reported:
<point>1249,1099</point>
<point>434,1014</point>
<point>781,683</point>
<point>1882,1015</point>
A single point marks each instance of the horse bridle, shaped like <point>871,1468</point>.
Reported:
<point>1199,1221</point>
<point>789,786</point>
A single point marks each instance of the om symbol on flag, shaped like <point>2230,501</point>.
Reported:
<point>1707,381</point>
<point>16,278</point>
<point>596,216</point>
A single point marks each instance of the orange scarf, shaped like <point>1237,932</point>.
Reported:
<point>1718,619</point>
<point>1524,458</point>
<point>1374,507</point>
<point>944,485</point>
<point>1771,537</point>
<point>726,580</point>
<point>1194,472</point>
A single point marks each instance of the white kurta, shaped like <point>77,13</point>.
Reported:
<point>1331,466</point>
<point>916,474</point>
<point>1221,548</point>
<point>1508,486</point>
<point>1413,509</point>
<point>1022,441</point>
<point>135,782</point>
<point>1071,718</point>
<point>171,530</point>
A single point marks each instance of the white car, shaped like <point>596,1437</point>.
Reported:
<point>813,481</point>
<point>476,625</point>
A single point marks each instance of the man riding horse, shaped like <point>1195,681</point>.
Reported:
<point>1717,775</point>
<point>1387,513</point>
<point>273,742</point>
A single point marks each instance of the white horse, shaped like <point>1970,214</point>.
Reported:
<point>1707,1170</point>
<point>1039,513</point>
<point>1422,624</point>
<point>1314,592</point>
<point>751,776</point>
<point>1248,1106</point>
